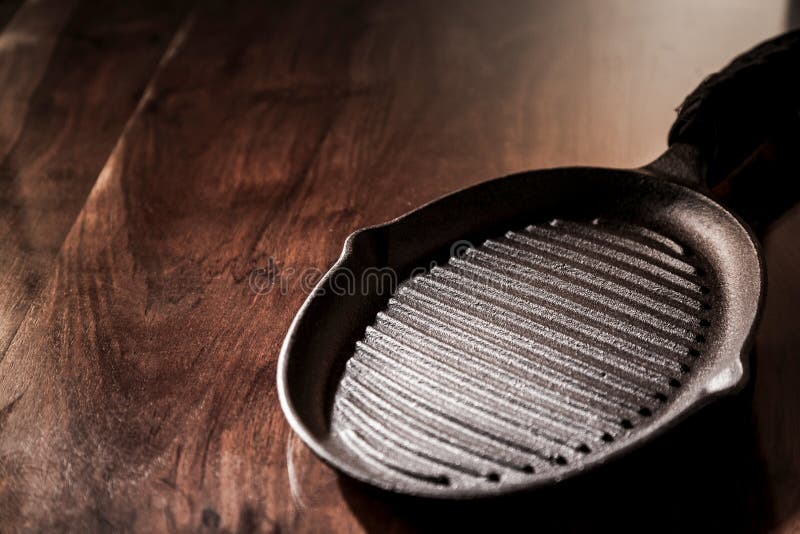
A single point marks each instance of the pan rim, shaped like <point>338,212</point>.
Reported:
<point>699,400</point>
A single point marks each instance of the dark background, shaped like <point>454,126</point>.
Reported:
<point>153,154</point>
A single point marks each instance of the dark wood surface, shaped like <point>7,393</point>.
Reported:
<point>154,155</point>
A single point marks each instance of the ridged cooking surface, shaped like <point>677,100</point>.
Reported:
<point>522,356</point>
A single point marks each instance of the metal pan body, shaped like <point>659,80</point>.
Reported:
<point>521,331</point>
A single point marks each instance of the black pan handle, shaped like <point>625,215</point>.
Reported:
<point>737,134</point>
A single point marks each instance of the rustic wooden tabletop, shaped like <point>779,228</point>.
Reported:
<point>154,154</point>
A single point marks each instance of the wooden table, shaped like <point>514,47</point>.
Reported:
<point>154,154</point>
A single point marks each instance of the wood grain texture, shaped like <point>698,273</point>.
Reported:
<point>7,10</point>
<point>64,102</point>
<point>138,392</point>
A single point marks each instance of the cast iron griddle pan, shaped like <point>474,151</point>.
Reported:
<point>529,328</point>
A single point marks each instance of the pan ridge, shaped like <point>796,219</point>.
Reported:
<point>524,356</point>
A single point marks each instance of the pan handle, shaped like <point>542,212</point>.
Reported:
<point>737,135</point>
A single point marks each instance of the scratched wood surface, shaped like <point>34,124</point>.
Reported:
<point>154,158</point>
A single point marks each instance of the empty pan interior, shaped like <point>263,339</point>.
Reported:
<point>554,319</point>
